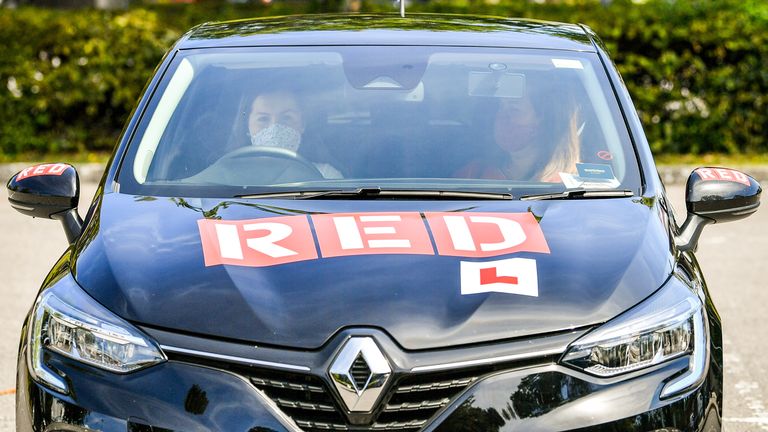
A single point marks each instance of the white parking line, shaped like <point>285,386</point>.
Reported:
<point>750,420</point>
<point>747,390</point>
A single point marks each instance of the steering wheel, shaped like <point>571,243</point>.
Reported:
<point>273,152</point>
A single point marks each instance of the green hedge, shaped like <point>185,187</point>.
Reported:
<point>71,77</point>
<point>697,69</point>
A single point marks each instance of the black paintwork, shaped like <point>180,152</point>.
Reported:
<point>721,200</point>
<point>172,396</point>
<point>383,29</point>
<point>184,396</point>
<point>44,195</point>
<point>599,266</point>
<point>550,400</point>
<point>140,256</point>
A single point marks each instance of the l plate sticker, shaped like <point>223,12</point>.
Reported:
<point>509,276</point>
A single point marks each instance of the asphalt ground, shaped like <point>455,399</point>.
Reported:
<point>732,255</point>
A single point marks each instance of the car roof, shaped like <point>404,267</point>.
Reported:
<point>389,29</point>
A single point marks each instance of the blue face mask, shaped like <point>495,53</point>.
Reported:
<point>277,135</point>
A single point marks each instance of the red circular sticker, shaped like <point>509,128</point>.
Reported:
<point>605,155</point>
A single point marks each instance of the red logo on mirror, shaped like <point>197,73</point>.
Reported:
<point>56,169</point>
<point>723,174</point>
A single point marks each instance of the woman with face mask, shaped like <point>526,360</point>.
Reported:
<point>276,120</point>
<point>535,137</point>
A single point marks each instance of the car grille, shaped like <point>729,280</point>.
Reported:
<point>410,402</point>
<point>408,406</point>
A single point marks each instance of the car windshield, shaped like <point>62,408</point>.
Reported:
<point>236,122</point>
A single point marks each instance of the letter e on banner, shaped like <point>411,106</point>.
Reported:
<point>345,234</point>
<point>509,276</point>
<point>257,242</point>
<point>486,234</point>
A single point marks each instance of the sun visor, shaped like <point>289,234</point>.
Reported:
<point>400,69</point>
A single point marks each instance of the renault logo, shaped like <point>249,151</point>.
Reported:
<point>360,372</point>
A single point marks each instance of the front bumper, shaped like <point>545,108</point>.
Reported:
<point>182,396</point>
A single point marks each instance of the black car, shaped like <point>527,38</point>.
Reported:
<point>370,222</point>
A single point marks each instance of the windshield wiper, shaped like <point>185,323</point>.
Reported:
<point>579,193</point>
<point>376,192</point>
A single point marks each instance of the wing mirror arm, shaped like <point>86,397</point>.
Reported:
<point>688,239</point>
<point>72,223</point>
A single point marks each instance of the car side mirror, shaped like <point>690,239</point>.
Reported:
<point>715,195</point>
<point>49,191</point>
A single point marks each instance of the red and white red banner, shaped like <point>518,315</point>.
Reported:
<point>722,174</point>
<point>280,240</point>
<point>56,169</point>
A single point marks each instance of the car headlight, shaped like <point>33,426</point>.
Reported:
<point>68,321</point>
<point>670,324</point>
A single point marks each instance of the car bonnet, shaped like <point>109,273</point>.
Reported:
<point>468,272</point>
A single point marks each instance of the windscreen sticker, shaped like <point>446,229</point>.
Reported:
<point>722,174</point>
<point>281,240</point>
<point>572,181</point>
<point>595,171</point>
<point>567,63</point>
<point>56,169</point>
<point>605,155</point>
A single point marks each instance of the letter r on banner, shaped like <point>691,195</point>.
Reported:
<point>257,242</point>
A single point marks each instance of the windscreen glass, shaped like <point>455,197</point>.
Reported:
<point>233,122</point>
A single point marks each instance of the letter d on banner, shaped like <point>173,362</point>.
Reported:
<point>480,235</point>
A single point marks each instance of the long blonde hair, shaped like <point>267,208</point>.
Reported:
<point>566,153</point>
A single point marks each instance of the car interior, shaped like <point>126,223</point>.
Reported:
<point>366,124</point>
